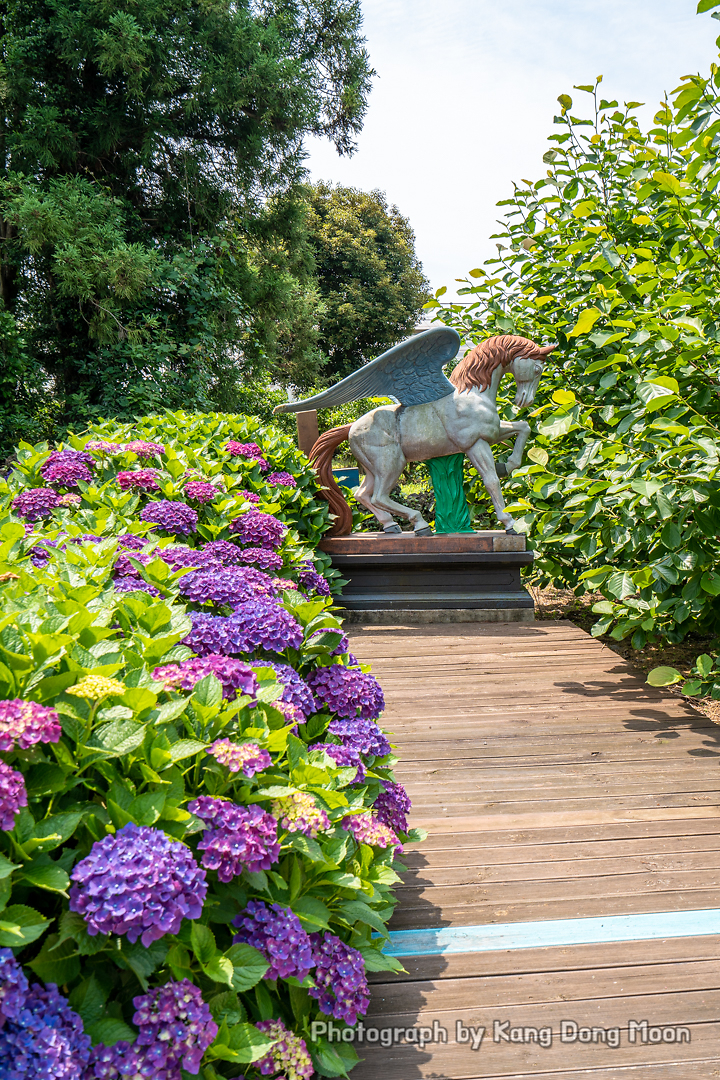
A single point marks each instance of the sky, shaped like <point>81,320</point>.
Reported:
<point>466,93</point>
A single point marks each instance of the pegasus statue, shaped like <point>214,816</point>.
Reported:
<point>433,417</point>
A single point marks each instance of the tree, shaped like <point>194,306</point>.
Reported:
<point>151,240</point>
<point>615,255</point>
<point>370,279</point>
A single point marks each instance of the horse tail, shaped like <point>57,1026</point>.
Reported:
<point>321,457</point>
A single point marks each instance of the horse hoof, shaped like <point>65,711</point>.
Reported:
<point>427,531</point>
<point>392,530</point>
<point>501,469</point>
<point>511,532</point>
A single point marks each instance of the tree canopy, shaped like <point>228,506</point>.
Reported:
<point>151,228</point>
<point>370,280</point>
<point>615,255</point>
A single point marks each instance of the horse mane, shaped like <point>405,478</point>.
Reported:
<point>474,371</point>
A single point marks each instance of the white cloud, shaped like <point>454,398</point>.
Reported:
<point>466,95</point>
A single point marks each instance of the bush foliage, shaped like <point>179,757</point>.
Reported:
<point>95,599</point>
<point>615,255</point>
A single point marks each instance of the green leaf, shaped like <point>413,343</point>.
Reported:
<point>53,831</point>
<point>20,925</point>
<point>663,676</point>
<point>704,664</point>
<point>208,691</point>
<point>185,748</point>
<point>110,1031</point>
<point>220,969</point>
<point>245,1044</point>
<point>202,940</point>
<point>59,966</point>
<point>73,927</point>
<point>585,322</point>
<point>356,911</point>
<point>6,867</point>
<point>46,875</point>
<point>710,582</point>
<point>377,961</point>
<point>249,966</point>
<point>707,5</point>
<point>88,1000</point>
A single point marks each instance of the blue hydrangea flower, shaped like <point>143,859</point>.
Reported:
<point>257,624</point>
<point>231,585</point>
<point>313,582</point>
<point>137,882</point>
<point>345,757</point>
<point>46,1041</point>
<point>13,987</point>
<point>258,529</point>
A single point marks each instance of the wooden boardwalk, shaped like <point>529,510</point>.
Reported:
<point>554,785</point>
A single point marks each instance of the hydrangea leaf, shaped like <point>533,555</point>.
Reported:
<point>20,925</point>
<point>249,966</point>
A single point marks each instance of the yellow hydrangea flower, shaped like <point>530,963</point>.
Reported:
<point>93,687</point>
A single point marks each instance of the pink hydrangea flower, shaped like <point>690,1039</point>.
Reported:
<point>139,479</point>
<point>249,450</point>
<point>282,479</point>
<point>144,449</point>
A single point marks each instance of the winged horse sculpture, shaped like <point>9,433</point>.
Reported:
<point>434,417</point>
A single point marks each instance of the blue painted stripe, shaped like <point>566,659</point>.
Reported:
<point>531,935</point>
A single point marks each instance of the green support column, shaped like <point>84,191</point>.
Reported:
<point>452,514</point>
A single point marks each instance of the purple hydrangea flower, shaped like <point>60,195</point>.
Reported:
<point>139,479</point>
<point>65,471</point>
<point>348,692</point>
<point>123,1061</point>
<point>314,582</point>
<point>266,560</point>
<point>46,1041</point>
<point>224,552</point>
<point>98,446</point>
<point>224,585</point>
<point>134,584</point>
<point>173,517</point>
<point>341,983</point>
<point>182,557</point>
<point>238,837</point>
<point>176,1026</point>
<point>201,491</point>
<point>282,479</point>
<point>361,735</point>
<point>236,756</point>
<point>144,449</point>
<point>125,567</point>
<point>290,712</point>
<point>392,806</point>
<point>295,690</point>
<point>277,933</point>
<point>40,554</point>
<point>298,812</point>
<point>13,987</point>
<point>281,583</point>
<point>234,675</point>
<point>137,882</point>
<point>249,450</point>
<point>36,503</point>
<point>257,624</point>
<point>367,829</point>
<point>24,723</point>
<point>258,530</point>
<point>249,496</point>
<point>13,796</point>
<point>345,757</point>
<point>288,1059</point>
<point>130,542</point>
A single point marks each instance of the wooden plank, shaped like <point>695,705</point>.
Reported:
<point>612,954</point>
<point>555,784</point>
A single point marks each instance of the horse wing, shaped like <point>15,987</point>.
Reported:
<point>410,372</point>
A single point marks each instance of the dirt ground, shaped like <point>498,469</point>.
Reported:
<point>563,604</point>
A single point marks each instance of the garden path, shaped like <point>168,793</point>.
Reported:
<point>573,813</point>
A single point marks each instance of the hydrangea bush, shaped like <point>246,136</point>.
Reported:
<point>198,817</point>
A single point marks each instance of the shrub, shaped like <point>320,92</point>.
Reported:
<point>156,803</point>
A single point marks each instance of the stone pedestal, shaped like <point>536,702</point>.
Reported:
<point>463,577</point>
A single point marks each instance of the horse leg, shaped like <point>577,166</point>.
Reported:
<point>363,495</point>
<point>386,478</point>
<point>507,429</point>
<point>480,455</point>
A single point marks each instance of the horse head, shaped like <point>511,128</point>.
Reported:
<point>527,370</point>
